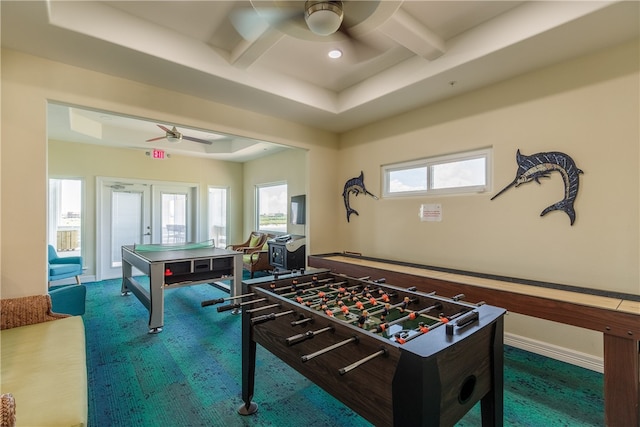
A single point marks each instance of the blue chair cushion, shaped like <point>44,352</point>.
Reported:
<point>68,299</point>
<point>59,269</point>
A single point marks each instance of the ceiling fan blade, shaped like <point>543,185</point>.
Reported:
<point>201,141</point>
<point>251,23</point>
<point>156,139</point>
<point>164,128</point>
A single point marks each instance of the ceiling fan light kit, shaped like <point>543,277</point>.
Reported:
<point>323,17</point>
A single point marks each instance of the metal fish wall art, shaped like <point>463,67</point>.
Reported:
<point>354,186</point>
<point>540,165</point>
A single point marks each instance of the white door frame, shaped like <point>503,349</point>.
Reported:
<point>151,211</point>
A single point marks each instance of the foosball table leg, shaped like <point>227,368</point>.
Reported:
<point>248,368</point>
<point>492,404</point>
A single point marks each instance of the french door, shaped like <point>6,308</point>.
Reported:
<point>140,213</point>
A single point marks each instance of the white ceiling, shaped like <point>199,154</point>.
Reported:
<point>404,55</point>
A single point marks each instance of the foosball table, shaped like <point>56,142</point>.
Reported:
<point>396,356</point>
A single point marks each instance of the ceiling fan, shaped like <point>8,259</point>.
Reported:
<point>172,135</point>
<point>321,17</point>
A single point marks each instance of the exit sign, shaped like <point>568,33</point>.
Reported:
<point>158,154</point>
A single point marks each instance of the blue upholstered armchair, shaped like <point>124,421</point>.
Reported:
<point>68,299</point>
<point>63,267</point>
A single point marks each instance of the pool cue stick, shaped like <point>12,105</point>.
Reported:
<point>238,305</point>
<point>307,357</point>
<point>221,300</point>
<point>264,307</point>
<point>362,361</point>
<point>271,316</point>
<point>307,335</point>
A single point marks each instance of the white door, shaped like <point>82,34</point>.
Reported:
<point>141,213</point>
<point>124,219</point>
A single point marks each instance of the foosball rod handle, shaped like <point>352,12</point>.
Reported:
<point>307,335</point>
<point>362,361</point>
<point>238,305</point>
<point>307,357</point>
<point>271,316</point>
<point>221,300</point>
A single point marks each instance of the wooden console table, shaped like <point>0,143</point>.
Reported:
<point>616,316</point>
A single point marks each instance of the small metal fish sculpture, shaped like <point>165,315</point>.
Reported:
<point>540,165</point>
<point>354,186</point>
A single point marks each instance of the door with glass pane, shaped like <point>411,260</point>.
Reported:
<point>141,213</point>
<point>173,222</point>
<point>218,216</point>
<point>125,218</point>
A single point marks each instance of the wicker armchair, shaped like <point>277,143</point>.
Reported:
<point>257,260</point>
<point>255,242</point>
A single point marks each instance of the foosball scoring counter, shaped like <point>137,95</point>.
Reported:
<point>395,356</point>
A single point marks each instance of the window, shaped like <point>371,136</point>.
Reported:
<point>65,216</point>
<point>174,217</point>
<point>218,216</point>
<point>466,172</point>
<point>272,206</point>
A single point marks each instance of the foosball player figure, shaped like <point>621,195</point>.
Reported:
<point>314,280</point>
<point>381,327</point>
<point>344,309</point>
<point>385,311</point>
<point>404,304</point>
<point>399,338</point>
<point>326,310</point>
<point>363,318</point>
<point>294,285</point>
<point>272,285</point>
<point>423,328</point>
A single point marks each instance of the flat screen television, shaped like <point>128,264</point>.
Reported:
<point>298,209</point>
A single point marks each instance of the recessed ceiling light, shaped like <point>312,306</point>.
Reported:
<point>335,53</point>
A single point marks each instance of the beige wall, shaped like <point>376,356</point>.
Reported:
<point>29,82</point>
<point>87,162</point>
<point>288,166</point>
<point>588,108</point>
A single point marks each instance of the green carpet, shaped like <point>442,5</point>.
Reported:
<point>190,374</point>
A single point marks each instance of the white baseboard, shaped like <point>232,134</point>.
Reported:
<point>562,354</point>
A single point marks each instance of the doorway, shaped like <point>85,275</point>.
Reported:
<point>137,212</point>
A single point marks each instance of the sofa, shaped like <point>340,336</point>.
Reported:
<point>43,379</point>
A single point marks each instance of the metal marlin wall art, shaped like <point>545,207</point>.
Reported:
<point>354,186</point>
<point>540,165</point>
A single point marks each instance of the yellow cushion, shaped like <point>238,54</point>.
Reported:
<point>265,247</point>
<point>246,259</point>
<point>254,240</point>
<point>44,367</point>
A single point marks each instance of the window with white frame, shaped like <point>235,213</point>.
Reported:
<point>467,172</point>
<point>271,205</point>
